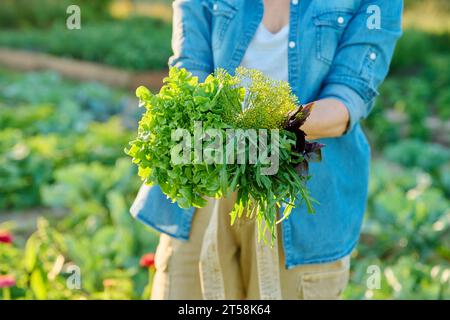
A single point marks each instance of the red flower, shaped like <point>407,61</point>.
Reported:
<point>7,281</point>
<point>6,237</point>
<point>147,260</point>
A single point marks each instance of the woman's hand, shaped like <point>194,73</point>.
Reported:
<point>328,119</point>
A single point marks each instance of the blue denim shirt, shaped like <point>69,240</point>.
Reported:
<point>336,49</point>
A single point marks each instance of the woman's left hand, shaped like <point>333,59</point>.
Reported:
<point>328,118</point>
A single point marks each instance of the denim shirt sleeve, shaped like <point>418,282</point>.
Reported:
<point>191,38</point>
<point>362,59</point>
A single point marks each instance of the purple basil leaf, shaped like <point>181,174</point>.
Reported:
<point>302,168</point>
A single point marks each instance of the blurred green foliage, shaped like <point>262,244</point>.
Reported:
<point>406,233</point>
<point>137,43</point>
<point>416,90</point>
<point>45,13</point>
<point>61,148</point>
<point>44,129</point>
<point>407,230</point>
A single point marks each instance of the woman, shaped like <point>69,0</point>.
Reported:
<point>335,53</point>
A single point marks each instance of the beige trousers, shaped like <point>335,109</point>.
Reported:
<point>227,262</point>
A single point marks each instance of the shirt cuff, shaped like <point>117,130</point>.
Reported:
<point>354,103</point>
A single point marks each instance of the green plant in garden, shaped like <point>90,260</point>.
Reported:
<point>414,153</point>
<point>44,13</point>
<point>406,234</point>
<point>43,129</point>
<point>98,235</point>
<point>29,161</point>
<point>57,151</point>
<point>415,92</point>
<point>119,43</point>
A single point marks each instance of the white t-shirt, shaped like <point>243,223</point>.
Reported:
<point>268,53</point>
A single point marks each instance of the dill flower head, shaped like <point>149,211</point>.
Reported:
<point>267,102</point>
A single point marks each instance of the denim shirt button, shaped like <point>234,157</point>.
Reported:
<point>340,20</point>
<point>373,56</point>
<point>215,6</point>
<point>291,44</point>
<point>294,2</point>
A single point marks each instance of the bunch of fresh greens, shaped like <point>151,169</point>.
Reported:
<point>218,104</point>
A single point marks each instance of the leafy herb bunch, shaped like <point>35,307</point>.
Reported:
<point>247,100</point>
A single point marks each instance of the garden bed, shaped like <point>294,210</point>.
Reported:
<point>137,44</point>
<point>79,70</point>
